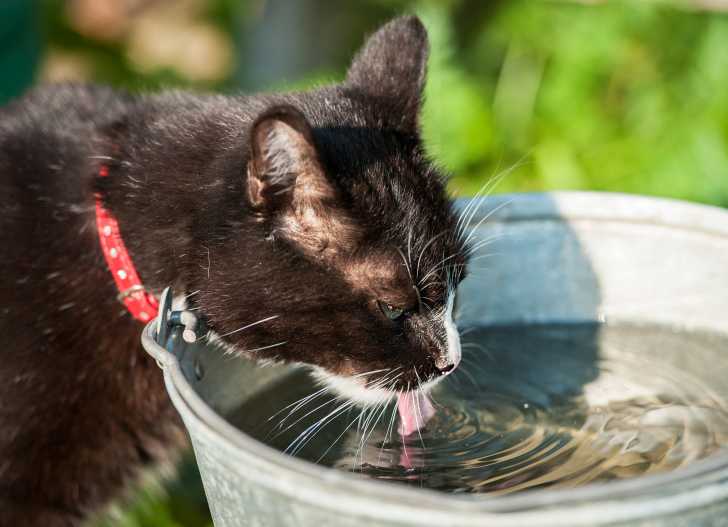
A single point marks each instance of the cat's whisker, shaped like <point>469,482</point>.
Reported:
<point>303,399</point>
<point>297,405</point>
<point>474,258</point>
<point>432,280</point>
<point>393,381</point>
<point>381,414</point>
<point>388,433</point>
<point>371,372</point>
<point>417,417</point>
<point>266,347</point>
<point>368,413</point>
<point>382,381</point>
<point>409,244</point>
<point>387,381</point>
<point>479,198</point>
<point>471,207</point>
<point>486,218</point>
<point>362,435</point>
<point>479,257</point>
<point>436,268</point>
<point>471,250</point>
<point>395,370</point>
<point>477,201</point>
<point>371,416</point>
<point>439,265</point>
<point>479,347</point>
<point>338,438</point>
<point>406,264</point>
<point>422,251</point>
<point>368,385</point>
<point>362,414</point>
<point>471,362</point>
<point>361,429</point>
<point>316,427</point>
<point>373,427</point>
<point>305,437</point>
<point>409,273</point>
<point>294,423</point>
<point>261,321</point>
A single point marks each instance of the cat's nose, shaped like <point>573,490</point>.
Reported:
<point>446,363</point>
<point>447,369</point>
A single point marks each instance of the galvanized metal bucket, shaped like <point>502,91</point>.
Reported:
<point>563,257</point>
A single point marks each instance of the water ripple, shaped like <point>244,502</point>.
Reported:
<point>560,406</point>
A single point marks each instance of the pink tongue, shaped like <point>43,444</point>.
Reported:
<point>415,409</point>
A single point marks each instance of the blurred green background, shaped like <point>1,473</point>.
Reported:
<point>628,96</point>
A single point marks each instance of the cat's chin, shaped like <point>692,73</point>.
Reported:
<point>352,388</point>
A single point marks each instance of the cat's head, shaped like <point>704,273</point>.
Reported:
<point>349,253</point>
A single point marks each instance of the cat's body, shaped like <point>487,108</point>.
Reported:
<point>314,209</point>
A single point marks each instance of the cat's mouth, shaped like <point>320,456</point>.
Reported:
<point>414,406</point>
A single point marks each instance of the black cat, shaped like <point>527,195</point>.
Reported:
<point>318,211</point>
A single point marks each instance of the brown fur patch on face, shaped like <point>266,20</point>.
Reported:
<point>330,236</point>
<point>322,232</point>
<point>382,275</point>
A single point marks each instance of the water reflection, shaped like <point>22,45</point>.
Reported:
<point>534,409</point>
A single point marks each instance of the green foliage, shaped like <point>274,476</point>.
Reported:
<point>626,97</point>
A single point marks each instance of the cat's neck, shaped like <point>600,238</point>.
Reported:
<point>172,199</point>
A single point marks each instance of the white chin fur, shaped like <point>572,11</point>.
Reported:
<point>454,350</point>
<point>352,389</point>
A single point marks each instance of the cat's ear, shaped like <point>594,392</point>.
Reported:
<point>393,65</point>
<point>284,163</point>
<point>286,179</point>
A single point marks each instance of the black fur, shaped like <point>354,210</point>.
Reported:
<point>204,204</point>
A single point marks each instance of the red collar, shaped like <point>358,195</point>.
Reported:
<point>142,305</point>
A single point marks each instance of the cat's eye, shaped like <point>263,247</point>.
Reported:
<point>390,311</point>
